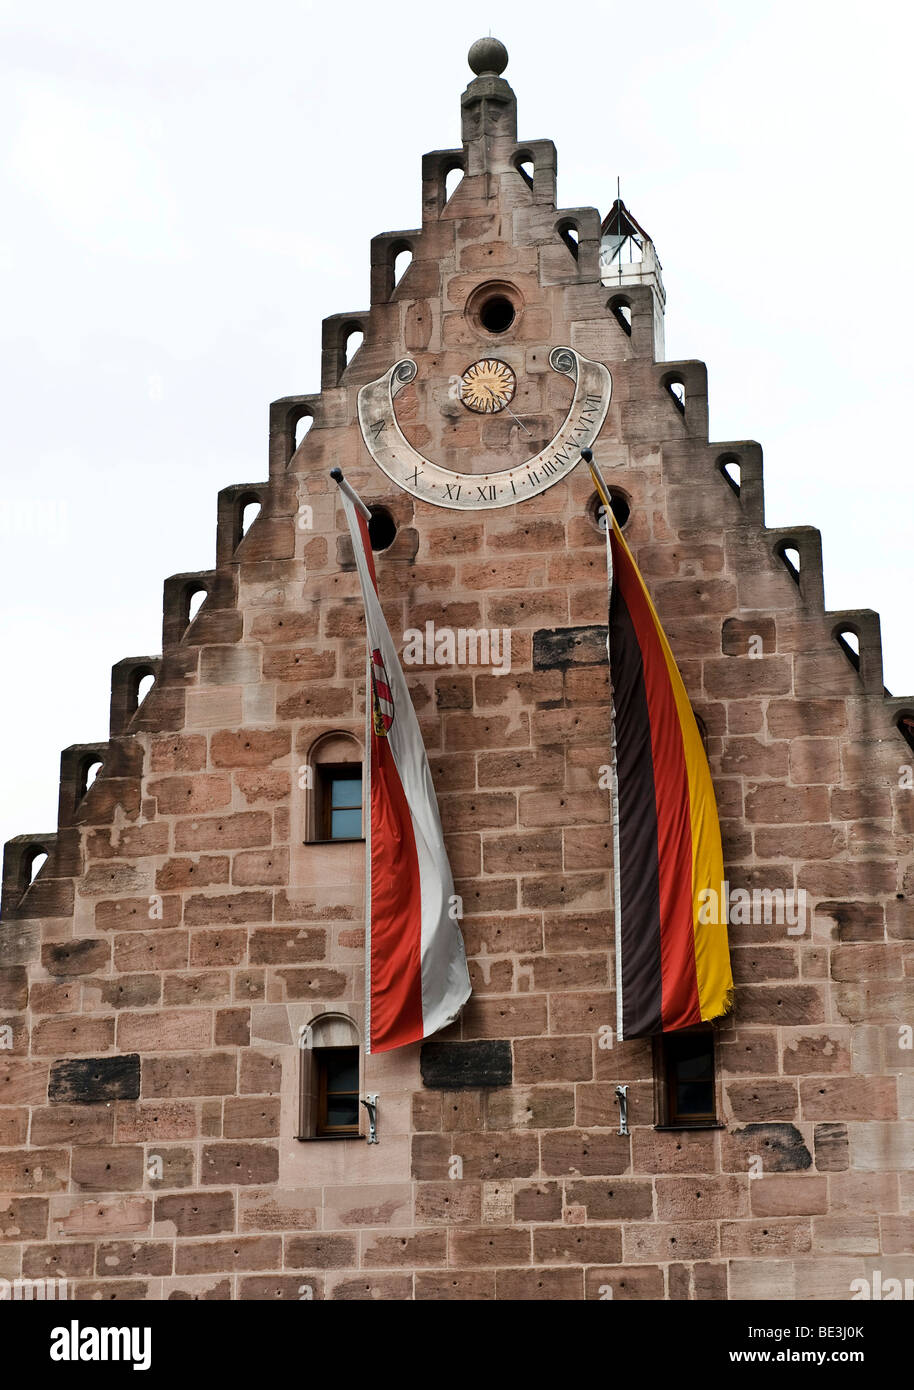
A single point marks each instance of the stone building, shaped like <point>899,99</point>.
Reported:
<point>182,979</point>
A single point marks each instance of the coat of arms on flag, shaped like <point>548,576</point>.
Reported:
<point>382,700</point>
<point>417,979</point>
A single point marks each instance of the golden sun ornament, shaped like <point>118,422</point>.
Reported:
<point>487,386</point>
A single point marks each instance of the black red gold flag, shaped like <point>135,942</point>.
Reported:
<point>672,957</point>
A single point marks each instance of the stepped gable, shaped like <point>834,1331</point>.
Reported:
<point>161,972</point>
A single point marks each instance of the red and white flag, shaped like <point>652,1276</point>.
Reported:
<point>417,971</point>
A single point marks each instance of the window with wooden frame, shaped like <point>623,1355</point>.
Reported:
<point>338,796</point>
<point>331,1059</point>
<point>685,1079</point>
<point>337,1070</point>
<point>333,779</point>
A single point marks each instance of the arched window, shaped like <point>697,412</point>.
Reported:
<point>330,1084</point>
<point>302,427</point>
<point>247,508</point>
<point>36,864</point>
<point>453,177</point>
<point>848,639</point>
<point>353,341</point>
<point>145,680</point>
<point>91,767</point>
<point>402,254</point>
<point>570,234</point>
<point>195,599</point>
<point>249,514</point>
<point>621,309</point>
<point>524,164</point>
<point>22,863</point>
<point>334,783</point>
<point>790,558</point>
<point>674,384</point>
<point>729,466</point>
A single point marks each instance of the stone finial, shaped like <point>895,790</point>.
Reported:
<point>489,107</point>
<point>488,57</point>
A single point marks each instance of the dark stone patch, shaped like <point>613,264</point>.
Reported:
<point>780,1147</point>
<point>75,957</point>
<point>568,646</point>
<point>854,921</point>
<point>96,1078</point>
<point>456,1066</point>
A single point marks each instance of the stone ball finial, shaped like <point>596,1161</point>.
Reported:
<point>488,56</point>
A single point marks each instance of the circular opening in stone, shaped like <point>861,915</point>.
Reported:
<point>620,505</point>
<point>496,314</point>
<point>382,529</point>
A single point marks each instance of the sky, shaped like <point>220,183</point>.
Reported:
<point>190,187</point>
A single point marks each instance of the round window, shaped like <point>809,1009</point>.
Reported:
<point>496,314</point>
<point>382,529</point>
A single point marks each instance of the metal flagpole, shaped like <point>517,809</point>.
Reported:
<point>603,493</point>
<point>337,476</point>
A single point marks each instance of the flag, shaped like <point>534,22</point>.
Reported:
<point>417,977</point>
<point>672,958</point>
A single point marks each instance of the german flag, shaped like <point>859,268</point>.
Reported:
<point>672,957</point>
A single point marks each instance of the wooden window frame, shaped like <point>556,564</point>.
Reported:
<point>325,774</point>
<point>323,1130</point>
<point>668,1116</point>
<point>326,1032</point>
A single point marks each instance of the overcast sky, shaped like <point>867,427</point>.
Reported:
<point>190,187</point>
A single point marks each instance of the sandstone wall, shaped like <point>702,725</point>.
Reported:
<point>157,973</point>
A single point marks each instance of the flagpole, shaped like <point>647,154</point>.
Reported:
<point>337,476</point>
<point>604,495</point>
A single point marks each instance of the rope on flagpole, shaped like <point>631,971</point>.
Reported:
<point>337,476</point>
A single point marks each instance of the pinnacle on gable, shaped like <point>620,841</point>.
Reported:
<point>488,106</point>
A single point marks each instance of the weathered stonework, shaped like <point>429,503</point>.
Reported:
<point>158,973</point>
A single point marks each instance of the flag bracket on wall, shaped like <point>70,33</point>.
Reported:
<point>622,1098</point>
<point>370,1102</point>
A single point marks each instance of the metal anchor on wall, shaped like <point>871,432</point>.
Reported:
<point>370,1103</point>
<point>622,1098</point>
